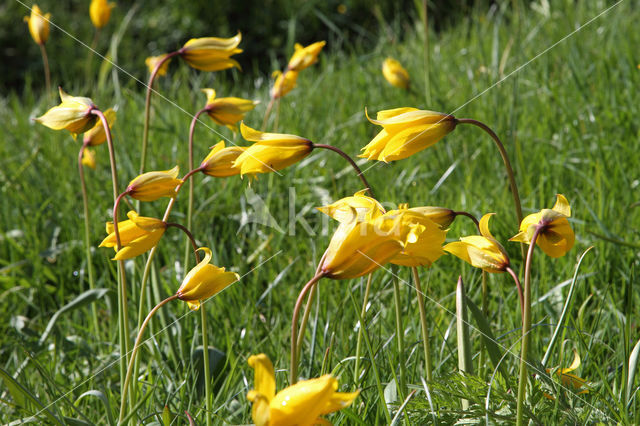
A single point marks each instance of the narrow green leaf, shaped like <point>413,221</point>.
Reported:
<point>21,395</point>
<point>105,401</point>
<point>633,365</point>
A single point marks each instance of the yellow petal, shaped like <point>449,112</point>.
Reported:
<point>264,375</point>
<point>303,402</point>
<point>562,206</point>
<point>153,185</point>
<point>204,281</point>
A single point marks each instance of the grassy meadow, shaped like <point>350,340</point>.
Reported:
<point>561,97</point>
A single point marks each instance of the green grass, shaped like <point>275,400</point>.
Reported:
<point>567,120</point>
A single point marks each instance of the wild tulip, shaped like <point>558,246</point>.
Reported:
<point>100,12</point>
<point>38,25</point>
<point>227,111</point>
<point>138,235</point>
<point>219,162</point>
<point>211,53</point>
<point>152,62</point>
<point>395,74</point>
<point>285,82</point>
<point>151,186</point>
<point>304,57</point>
<point>73,114</point>
<point>96,135</point>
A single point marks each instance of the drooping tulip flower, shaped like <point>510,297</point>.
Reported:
<point>153,185</point>
<point>481,251</point>
<point>96,135</point>
<point>556,237</point>
<point>358,207</point>
<point>395,74</point>
<point>38,24</point>
<point>100,12</point>
<point>89,158</point>
<point>304,57</point>
<point>73,114</point>
<point>219,162</point>
<point>271,151</point>
<point>301,404</point>
<point>285,82</point>
<point>442,216</point>
<point>406,131</point>
<point>138,235</point>
<point>227,111</point>
<point>211,53</point>
<point>152,62</point>
<point>203,281</point>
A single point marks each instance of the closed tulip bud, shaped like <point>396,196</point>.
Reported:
<point>227,111</point>
<point>219,162</point>
<point>138,235</point>
<point>96,135</point>
<point>483,252</point>
<point>395,74</point>
<point>211,53</point>
<point>285,82</point>
<point>153,185</point>
<point>152,62</point>
<point>271,151</point>
<point>443,217</point>
<point>73,114</point>
<point>38,24</point>
<point>299,404</point>
<point>203,281</point>
<point>89,158</point>
<point>556,237</point>
<point>304,57</point>
<point>100,12</point>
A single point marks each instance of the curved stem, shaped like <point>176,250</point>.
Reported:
<point>470,216</point>
<point>526,326</point>
<point>520,294</point>
<point>87,244</point>
<point>353,164</point>
<point>190,238</point>
<point>147,107</point>
<point>307,309</point>
<point>423,323</point>
<point>505,159</point>
<point>116,204</point>
<point>136,346</point>
<point>363,312</point>
<point>190,201</point>
<point>45,63</point>
<point>293,370</point>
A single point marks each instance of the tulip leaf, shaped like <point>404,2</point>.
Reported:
<point>217,362</point>
<point>83,299</point>
<point>21,395</point>
<point>105,401</point>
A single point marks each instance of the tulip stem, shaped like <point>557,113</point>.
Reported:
<point>470,216</point>
<point>190,238</point>
<point>353,164</point>
<point>520,293</point>
<point>423,323</point>
<point>505,159</point>
<point>147,107</point>
<point>87,245</point>
<point>293,370</point>
<point>399,335</point>
<point>526,326</point>
<point>267,114</point>
<point>136,346</point>
<point>190,201</point>
<point>363,313</point>
<point>45,63</point>
<point>205,361</point>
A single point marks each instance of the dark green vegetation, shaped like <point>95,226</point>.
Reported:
<point>568,120</point>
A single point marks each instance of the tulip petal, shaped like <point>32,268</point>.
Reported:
<point>264,375</point>
<point>562,205</point>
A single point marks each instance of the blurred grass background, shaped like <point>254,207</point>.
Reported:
<point>567,119</point>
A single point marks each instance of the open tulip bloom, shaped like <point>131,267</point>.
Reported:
<point>138,235</point>
<point>304,57</point>
<point>556,237</point>
<point>72,114</point>
<point>358,207</point>
<point>301,404</point>
<point>406,131</point>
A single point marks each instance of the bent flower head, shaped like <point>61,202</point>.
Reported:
<point>227,111</point>
<point>153,185</point>
<point>211,53</point>
<point>304,57</point>
<point>72,114</point>
<point>219,162</point>
<point>138,235</point>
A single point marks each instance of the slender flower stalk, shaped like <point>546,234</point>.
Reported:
<point>293,370</point>
<point>363,312</point>
<point>205,361</point>
<point>87,246</point>
<point>399,334</point>
<point>351,162</point>
<point>526,326</point>
<point>45,64</point>
<point>307,309</point>
<point>423,324</point>
<point>518,286</point>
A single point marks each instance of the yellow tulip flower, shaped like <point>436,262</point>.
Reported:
<point>203,281</point>
<point>359,207</point>
<point>211,53</point>
<point>38,24</point>
<point>556,237</point>
<point>100,12</point>
<point>89,158</point>
<point>73,114</point>
<point>483,252</point>
<point>153,185</point>
<point>219,162</point>
<point>152,62</point>
<point>304,57</point>
<point>395,74</point>
<point>285,82</point>
<point>138,234</point>
<point>443,217</point>
<point>301,404</point>
<point>96,135</point>
<point>271,151</point>
<point>227,111</point>
<point>406,131</point>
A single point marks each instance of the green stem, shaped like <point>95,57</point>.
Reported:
<point>136,346</point>
<point>205,359</point>
<point>351,162</point>
<point>425,22</point>
<point>190,238</point>
<point>147,107</point>
<point>307,309</point>
<point>363,314</point>
<point>45,63</point>
<point>526,326</point>
<point>399,335</point>
<point>87,244</point>
<point>190,202</point>
<point>519,287</point>
<point>267,114</point>
<point>293,369</point>
<point>423,324</point>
